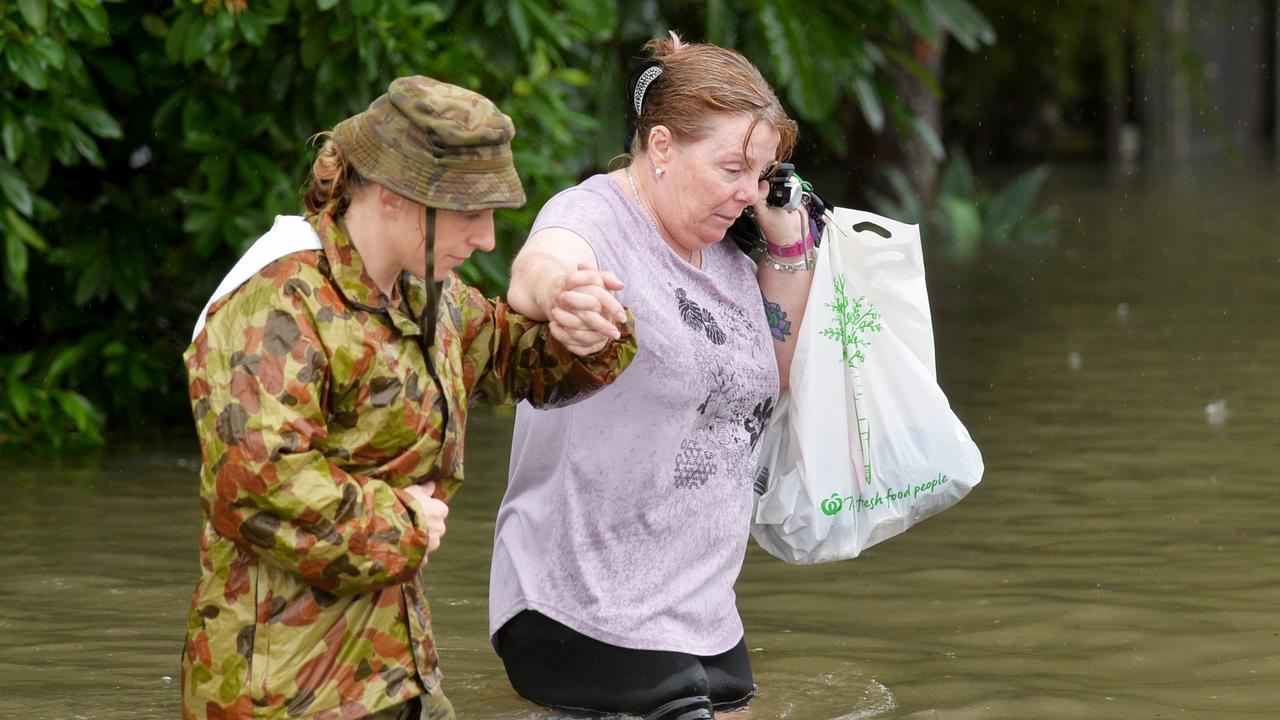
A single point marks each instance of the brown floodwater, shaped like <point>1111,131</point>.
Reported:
<point>1121,558</point>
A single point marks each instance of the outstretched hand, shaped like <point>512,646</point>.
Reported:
<point>584,314</point>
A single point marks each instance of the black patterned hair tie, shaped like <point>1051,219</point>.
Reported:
<point>643,74</point>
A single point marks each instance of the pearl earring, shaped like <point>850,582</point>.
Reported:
<point>657,172</point>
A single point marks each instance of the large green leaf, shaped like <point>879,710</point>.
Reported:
<point>963,222</point>
<point>64,360</point>
<point>918,72</point>
<point>14,188</point>
<point>80,411</point>
<point>781,54</point>
<point>869,101</point>
<point>175,40</point>
<point>13,135</point>
<point>19,398</point>
<point>599,19</point>
<point>519,23</point>
<point>95,119</point>
<point>23,230</point>
<point>929,136</point>
<point>917,15</point>
<point>27,66</point>
<point>15,264</point>
<point>563,34</point>
<point>22,364</point>
<point>963,21</point>
<point>92,282</point>
<point>155,25</point>
<point>85,144</point>
<point>48,50</point>
<point>254,27</point>
<point>35,13</point>
<point>1012,203</point>
<point>200,40</point>
<point>95,16</point>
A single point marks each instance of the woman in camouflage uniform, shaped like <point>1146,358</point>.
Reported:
<point>331,414</point>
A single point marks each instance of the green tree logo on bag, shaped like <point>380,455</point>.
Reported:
<point>852,322</point>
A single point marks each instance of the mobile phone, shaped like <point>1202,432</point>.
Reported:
<point>785,190</point>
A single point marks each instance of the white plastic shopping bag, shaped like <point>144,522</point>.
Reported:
<point>864,444</point>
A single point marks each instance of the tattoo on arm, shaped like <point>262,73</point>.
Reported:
<point>779,325</point>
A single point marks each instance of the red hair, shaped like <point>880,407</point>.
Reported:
<point>699,81</point>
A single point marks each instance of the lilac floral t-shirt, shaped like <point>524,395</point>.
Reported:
<point>627,514</point>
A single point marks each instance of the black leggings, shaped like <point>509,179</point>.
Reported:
<point>560,668</point>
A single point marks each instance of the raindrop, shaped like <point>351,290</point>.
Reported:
<point>1216,412</point>
<point>139,157</point>
<point>1074,361</point>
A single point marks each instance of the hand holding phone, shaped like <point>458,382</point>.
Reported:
<point>786,190</point>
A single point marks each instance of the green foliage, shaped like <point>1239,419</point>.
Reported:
<point>829,60</point>
<point>963,216</point>
<point>39,412</point>
<point>144,144</point>
<point>1061,66</point>
<point>50,111</point>
<point>142,151</point>
<point>343,56</point>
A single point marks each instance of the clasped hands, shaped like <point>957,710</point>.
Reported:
<point>582,311</point>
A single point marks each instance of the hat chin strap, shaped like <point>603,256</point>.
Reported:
<point>427,322</point>
<point>429,240</point>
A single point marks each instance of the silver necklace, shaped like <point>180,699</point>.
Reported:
<point>644,207</point>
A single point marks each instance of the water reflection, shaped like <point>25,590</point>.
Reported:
<point>1117,561</point>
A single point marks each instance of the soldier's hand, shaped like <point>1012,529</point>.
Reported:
<point>433,511</point>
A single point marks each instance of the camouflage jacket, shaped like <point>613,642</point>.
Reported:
<point>312,415</point>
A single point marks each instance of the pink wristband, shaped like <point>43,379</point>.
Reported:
<point>795,249</point>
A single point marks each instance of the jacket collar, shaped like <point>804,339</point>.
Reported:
<point>348,272</point>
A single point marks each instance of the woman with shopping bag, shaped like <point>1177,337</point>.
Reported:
<point>625,522</point>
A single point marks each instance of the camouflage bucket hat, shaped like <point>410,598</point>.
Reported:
<point>440,145</point>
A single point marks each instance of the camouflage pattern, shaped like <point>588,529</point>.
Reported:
<point>313,415</point>
<point>437,144</point>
